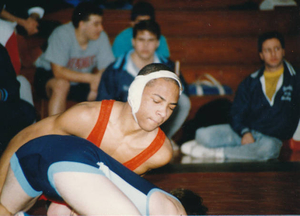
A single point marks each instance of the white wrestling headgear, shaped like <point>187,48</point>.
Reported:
<point>136,88</point>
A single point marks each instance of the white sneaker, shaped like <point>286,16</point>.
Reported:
<point>186,148</point>
<point>186,159</point>
<point>197,150</point>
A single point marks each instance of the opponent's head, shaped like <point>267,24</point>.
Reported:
<point>155,82</point>
<point>191,201</point>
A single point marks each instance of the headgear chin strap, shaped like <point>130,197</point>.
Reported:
<point>136,88</point>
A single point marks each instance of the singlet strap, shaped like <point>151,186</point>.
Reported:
<point>141,158</point>
<point>98,131</point>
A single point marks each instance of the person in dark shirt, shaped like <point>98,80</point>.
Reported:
<point>15,113</point>
<point>265,111</point>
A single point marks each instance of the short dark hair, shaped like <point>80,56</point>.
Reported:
<point>142,9</point>
<point>153,67</point>
<point>191,201</point>
<point>147,25</point>
<point>83,11</point>
<point>269,35</point>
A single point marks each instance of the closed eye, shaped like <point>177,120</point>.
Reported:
<point>172,108</point>
<point>156,101</point>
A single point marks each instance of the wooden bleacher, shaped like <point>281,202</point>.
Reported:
<point>204,37</point>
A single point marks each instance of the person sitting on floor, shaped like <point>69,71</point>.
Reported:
<point>265,111</point>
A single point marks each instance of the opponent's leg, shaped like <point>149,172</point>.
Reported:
<point>58,209</point>
<point>92,194</point>
<point>13,197</point>
<point>161,203</point>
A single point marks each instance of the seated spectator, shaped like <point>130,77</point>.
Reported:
<point>8,39</point>
<point>15,113</point>
<point>28,15</point>
<point>118,76</point>
<point>122,42</point>
<point>28,21</point>
<point>72,65</point>
<point>265,111</point>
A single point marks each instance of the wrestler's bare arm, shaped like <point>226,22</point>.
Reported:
<point>78,121</point>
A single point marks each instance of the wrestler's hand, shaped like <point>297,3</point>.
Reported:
<point>247,138</point>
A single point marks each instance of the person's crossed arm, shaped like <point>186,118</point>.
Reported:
<point>30,24</point>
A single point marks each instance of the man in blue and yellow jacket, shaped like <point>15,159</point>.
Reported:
<point>265,111</point>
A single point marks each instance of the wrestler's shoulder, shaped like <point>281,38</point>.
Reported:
<point>81,111</point>
<point>89,107</point>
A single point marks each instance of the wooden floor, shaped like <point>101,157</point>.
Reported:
<point>236,192</point>
<point>232,188</point>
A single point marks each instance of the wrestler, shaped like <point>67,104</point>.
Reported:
<point>89,180</point>
<point>129,132</point>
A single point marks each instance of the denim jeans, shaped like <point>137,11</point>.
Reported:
<point>222,136</point>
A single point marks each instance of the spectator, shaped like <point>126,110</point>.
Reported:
<point>27,21</point>
<point>28,15</point>
<point>74,60</point>
<point>16,113</point>
<point>140,11</point>
<point>265,111</point>
<point>119,75</point>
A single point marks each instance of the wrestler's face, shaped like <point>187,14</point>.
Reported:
<point>93,27</point>
<point>159,99</point>
<point>145,43</point>
<point>272,54</point>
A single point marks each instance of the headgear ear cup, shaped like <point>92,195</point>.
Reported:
<point>136,88</point>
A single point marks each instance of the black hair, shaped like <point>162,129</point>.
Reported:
<point>150,68</point>
<point>83,11</point>
<point>154,67</point>
<point>191,201</point>
<point>269,35</point>
<point>147,25</point>
<point>142,9</point>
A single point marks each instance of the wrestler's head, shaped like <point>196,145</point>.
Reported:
<point>153,95</point>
